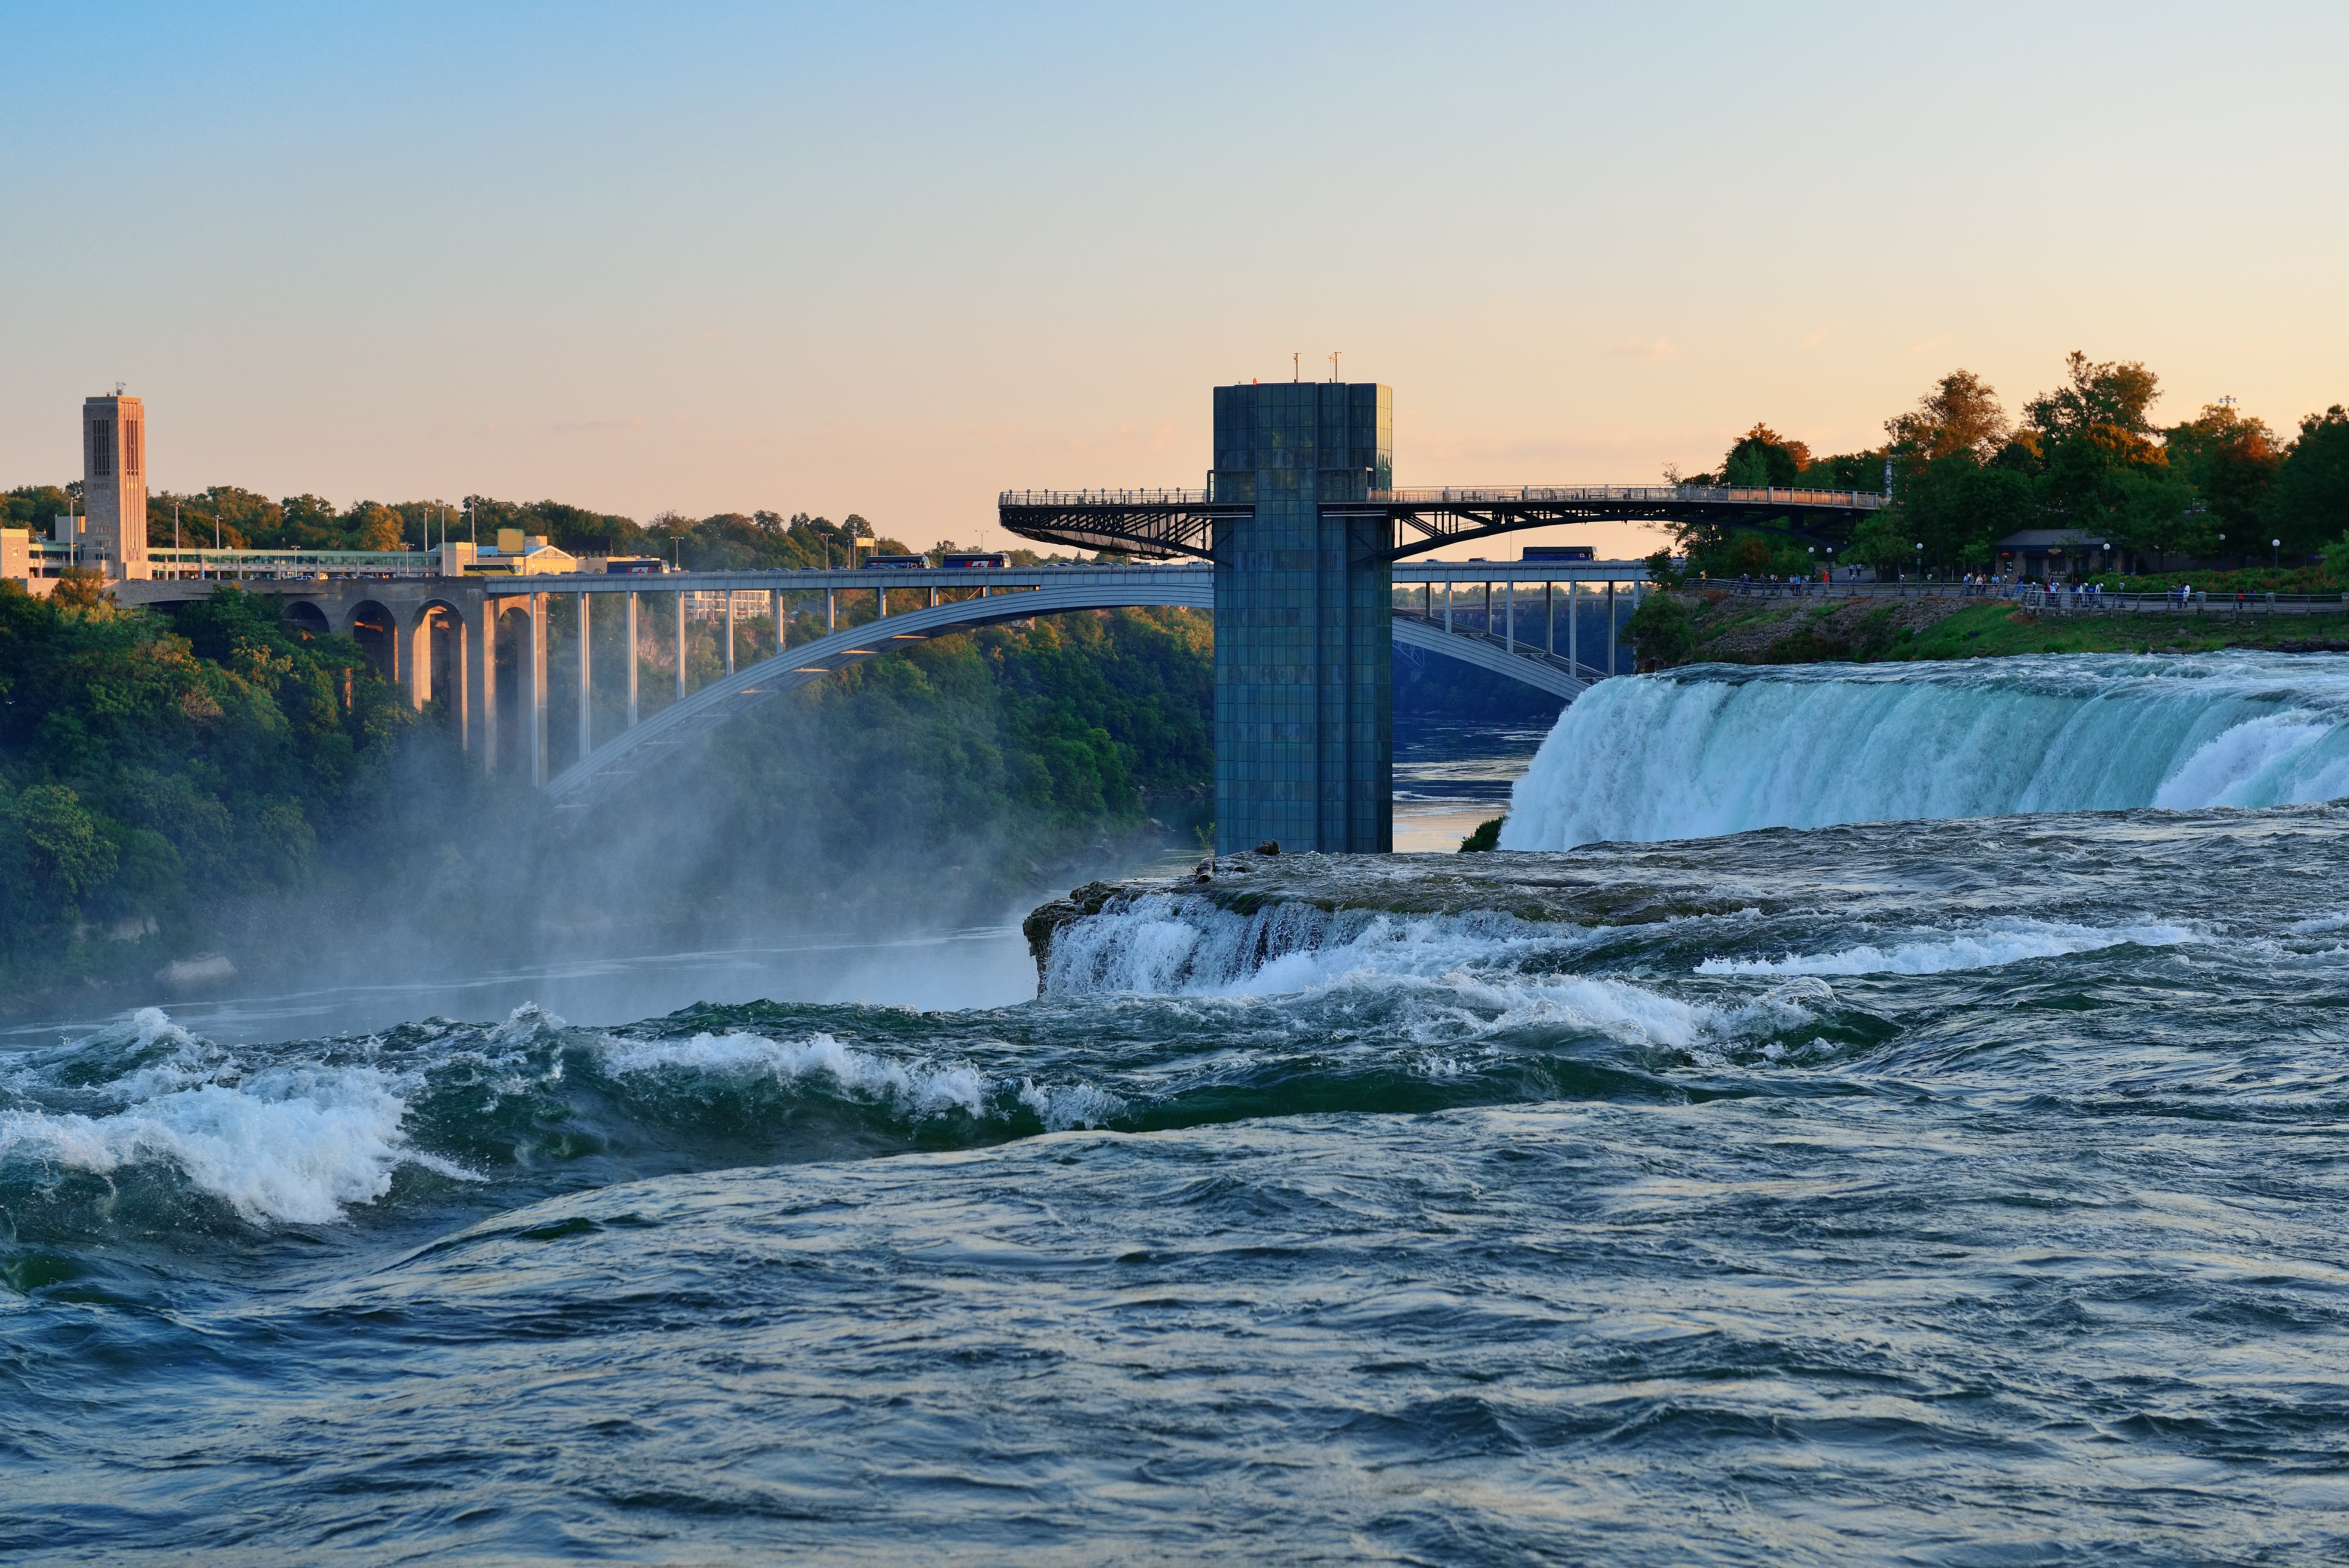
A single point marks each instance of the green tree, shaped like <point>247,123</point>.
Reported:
<point>1959,509</point>
<point>1661,630</point>
<point>2117,393</point>
<point>1764,457</point>
<point>69,854</point>
<point>1953,500</point>
<point>2232,462</point>
<point>1487,837</point>
<point>2103,474</point>
<point>2309,504</point>
<point>1960,416</point>
<point>35,506</point>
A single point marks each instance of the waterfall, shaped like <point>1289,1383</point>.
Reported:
<point>1723,749</point>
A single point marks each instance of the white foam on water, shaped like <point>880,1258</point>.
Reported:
<point>1570,1004</point>
<point>2319,926</point>
<point>923,1089</point>
<point>1999,942</point>
<point>1076,1105</point>
<point>1449,977</point>
<point>2263,761</point>
<point>1170,944</point>
<point>293,1145</point>
<point>1715,749</point>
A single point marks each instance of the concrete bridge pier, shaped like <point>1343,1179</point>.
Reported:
<point>534,687</point>
<point>631,661</point>
<point>679,597</point>
<point>415,642</point>
<point>479,721</point>
<point>586,670</point>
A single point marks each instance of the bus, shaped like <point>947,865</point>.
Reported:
<point>631,566</point>
<point>968,558</point>
<point>1541,553</point>
<point>902,563</point>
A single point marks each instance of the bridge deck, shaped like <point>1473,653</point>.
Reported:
<point>817,579</point>
<point>1165,523</point>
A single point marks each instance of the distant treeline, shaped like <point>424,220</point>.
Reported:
<point>2085,458</point>
<point>236,519</point>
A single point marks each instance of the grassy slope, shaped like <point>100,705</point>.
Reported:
<point>1741,633</point>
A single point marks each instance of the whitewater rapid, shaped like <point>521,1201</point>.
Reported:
<point>1978,1162</point>
<point>1719,749</point>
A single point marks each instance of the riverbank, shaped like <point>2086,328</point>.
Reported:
<point>1732,630</point>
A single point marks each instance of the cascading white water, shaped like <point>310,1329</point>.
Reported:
<point>1723,749</point>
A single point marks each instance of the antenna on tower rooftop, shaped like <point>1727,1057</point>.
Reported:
<point>1297,366</point>
<point>1333,367</point>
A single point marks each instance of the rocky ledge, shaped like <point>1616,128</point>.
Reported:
<point>1586,886</point>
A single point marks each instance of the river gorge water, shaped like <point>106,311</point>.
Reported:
<point>1874,1115</point>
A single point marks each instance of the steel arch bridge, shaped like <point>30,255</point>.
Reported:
<point>1050,591</point>
<point>1160,525</point>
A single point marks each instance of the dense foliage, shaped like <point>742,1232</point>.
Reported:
<point>151,773</point>
<point>2086,459</point>
<point>225,783</point>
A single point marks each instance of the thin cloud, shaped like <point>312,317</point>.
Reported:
<point>1661,349</point>
<point>1926,344</point>
<point>1815,338</point>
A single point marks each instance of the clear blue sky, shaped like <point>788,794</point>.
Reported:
<point>891,259</point>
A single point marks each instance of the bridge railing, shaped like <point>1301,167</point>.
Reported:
<point>1494,494</point>
<point>178,562</point>
<point>1650,494</point>
<point>1103,498</point>
<point>2063,600</point>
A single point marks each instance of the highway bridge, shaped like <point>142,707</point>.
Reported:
<point>447,638</point>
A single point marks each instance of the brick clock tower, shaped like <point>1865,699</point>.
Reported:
<point>114,486</point>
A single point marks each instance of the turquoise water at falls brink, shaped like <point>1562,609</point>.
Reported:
<point>1718,748</point>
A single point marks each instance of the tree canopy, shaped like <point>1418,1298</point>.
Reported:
<point>2086,460</point>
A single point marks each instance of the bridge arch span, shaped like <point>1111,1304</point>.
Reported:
<point>682,723</point>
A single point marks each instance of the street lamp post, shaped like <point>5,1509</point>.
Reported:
<point>2275,556</point>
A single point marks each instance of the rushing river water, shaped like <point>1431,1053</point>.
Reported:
<point>1958,1191</point>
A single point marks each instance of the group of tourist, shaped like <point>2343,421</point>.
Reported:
<point>1980,584</point>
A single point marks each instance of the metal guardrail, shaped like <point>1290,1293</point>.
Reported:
<point>1650,494</point>
<point>2066,601</point>
<point>183,562</point>
<point>1472,494</point>
<point>1103,498</point>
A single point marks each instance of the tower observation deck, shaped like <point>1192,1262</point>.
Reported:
<point>1303,522</point>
